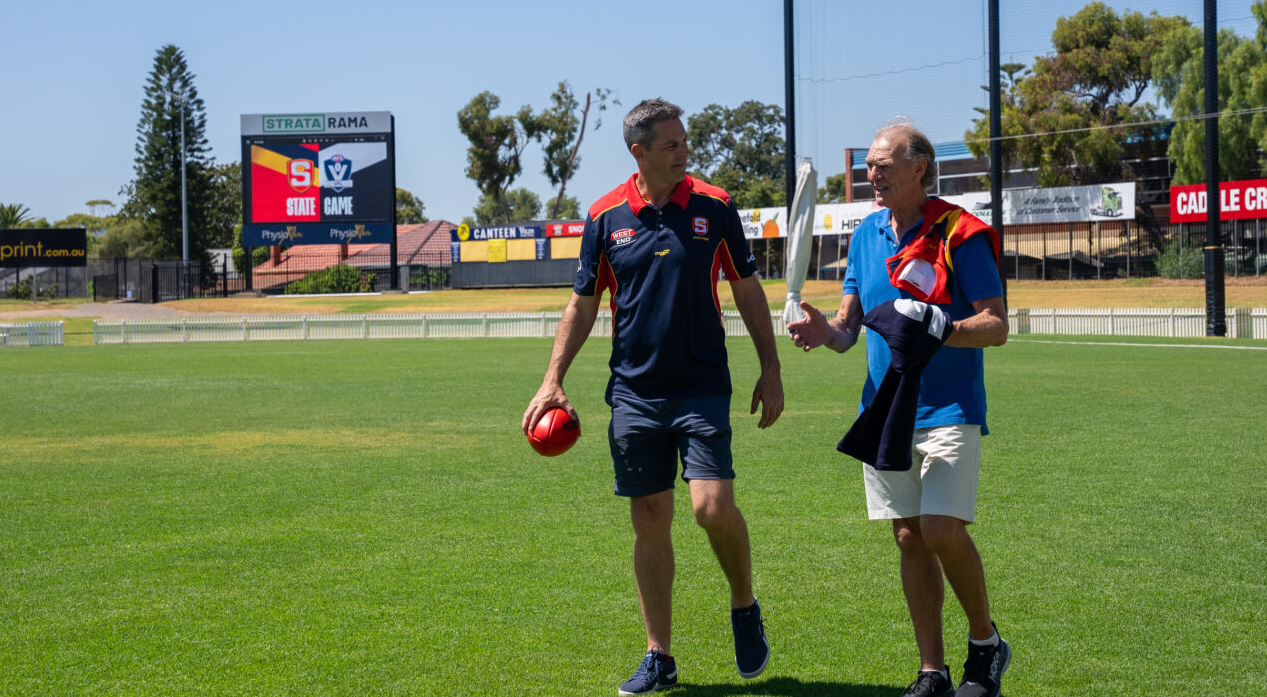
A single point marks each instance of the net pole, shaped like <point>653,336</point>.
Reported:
<point>996,131</point>
<point>789,98</point>
<point>1215,316</point>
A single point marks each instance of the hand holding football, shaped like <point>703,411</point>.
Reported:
<point>554,433</point>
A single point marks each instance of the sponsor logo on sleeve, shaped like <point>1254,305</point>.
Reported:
<point>622,236</point>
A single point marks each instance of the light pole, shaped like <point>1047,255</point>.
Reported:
<point>184,212</point>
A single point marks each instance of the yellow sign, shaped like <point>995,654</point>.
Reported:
<point>827,222</point>
<point>464,232</point>
<point>496,251</point>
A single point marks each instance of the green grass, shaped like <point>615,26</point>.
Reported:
<point>364,518</point>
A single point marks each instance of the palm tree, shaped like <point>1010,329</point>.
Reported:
<point>13,214</point>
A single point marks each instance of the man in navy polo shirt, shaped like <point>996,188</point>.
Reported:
<point>931,504</point>
<point>657,243</point>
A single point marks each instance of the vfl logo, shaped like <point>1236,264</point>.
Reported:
<point>339,173</point>
<point>660,254</point>
<point>299,174</point>
<point>623,236</point>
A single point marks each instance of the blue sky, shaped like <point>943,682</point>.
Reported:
<point>74,71</point>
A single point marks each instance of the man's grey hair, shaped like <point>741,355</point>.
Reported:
<point>918,146</point>
<point>641,120</point>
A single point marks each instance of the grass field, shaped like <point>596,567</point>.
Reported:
<point>364,518</point>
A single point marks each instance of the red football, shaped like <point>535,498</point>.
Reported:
<point>554,433</point>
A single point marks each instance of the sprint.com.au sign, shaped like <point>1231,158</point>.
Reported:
<point>27,247</point>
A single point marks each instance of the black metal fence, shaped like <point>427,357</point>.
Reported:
<point>422,272</point>
<point>151,281</point>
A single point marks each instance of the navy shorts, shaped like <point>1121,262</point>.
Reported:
<point>647,438</point>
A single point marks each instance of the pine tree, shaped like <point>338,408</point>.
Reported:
<point>155,193</point>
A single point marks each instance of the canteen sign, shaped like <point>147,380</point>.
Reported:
<point>1240,200</point>
<point>43,247</point>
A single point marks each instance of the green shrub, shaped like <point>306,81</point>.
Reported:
<point>1177,261</point>
<point>429,278</point>
<point>336,279</point>
<point>22,290</point>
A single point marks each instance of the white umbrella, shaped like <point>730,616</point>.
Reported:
<point>800,238</point>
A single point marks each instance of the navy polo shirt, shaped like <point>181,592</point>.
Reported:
<point>661,266</point>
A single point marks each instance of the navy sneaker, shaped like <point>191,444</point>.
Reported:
<point>983,671</point>
<point>931,683</point>
<point>656,672</point>
<point>752,651</point>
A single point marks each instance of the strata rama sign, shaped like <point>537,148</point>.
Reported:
<point>318,178</point>
<point>27,247</point>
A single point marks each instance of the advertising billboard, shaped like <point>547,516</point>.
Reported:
<point>1238,200</point>
<point>320,178</point>
<point>26,247</point>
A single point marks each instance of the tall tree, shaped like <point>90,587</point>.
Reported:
<point>833,189</point>
<point>497,142</point>
<point>568,209</point>
<point>516,206</point>
<point>156,192</point>
<point>560,131</point>
<point>224,209</point>
<point>13,214</point>
<point>409,208</point>
<point>741,150</point>
<point>1180,78</point>
<point>1081,99</point>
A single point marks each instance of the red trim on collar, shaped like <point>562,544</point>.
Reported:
<point>681,193</point>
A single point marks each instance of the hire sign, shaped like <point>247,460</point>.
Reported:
<point>1239,200</point>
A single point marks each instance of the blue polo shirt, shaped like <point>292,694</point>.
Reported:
<point>952,387</point>
<point>661,266</point>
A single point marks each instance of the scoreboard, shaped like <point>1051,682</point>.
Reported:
<point>320,178</point>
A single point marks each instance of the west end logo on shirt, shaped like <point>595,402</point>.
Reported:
<point>699,226</point>
<point>622,236</point>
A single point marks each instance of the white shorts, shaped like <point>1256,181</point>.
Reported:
<point>942,480</point>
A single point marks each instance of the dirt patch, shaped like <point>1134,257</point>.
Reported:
<point>1136,292</point>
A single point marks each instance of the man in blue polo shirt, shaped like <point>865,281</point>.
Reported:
<point>931,504</point>
<point>657,243</point>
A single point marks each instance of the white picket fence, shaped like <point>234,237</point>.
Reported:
<point>31,334</point>
<point>1176,322</point>
<point>1171,322</point>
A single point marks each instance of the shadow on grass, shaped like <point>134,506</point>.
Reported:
<point>785,687</point>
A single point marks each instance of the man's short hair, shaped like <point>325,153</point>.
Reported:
<point>918,146</point>
<point>641,120</point>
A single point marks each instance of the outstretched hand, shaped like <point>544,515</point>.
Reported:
<point>811,331</point>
